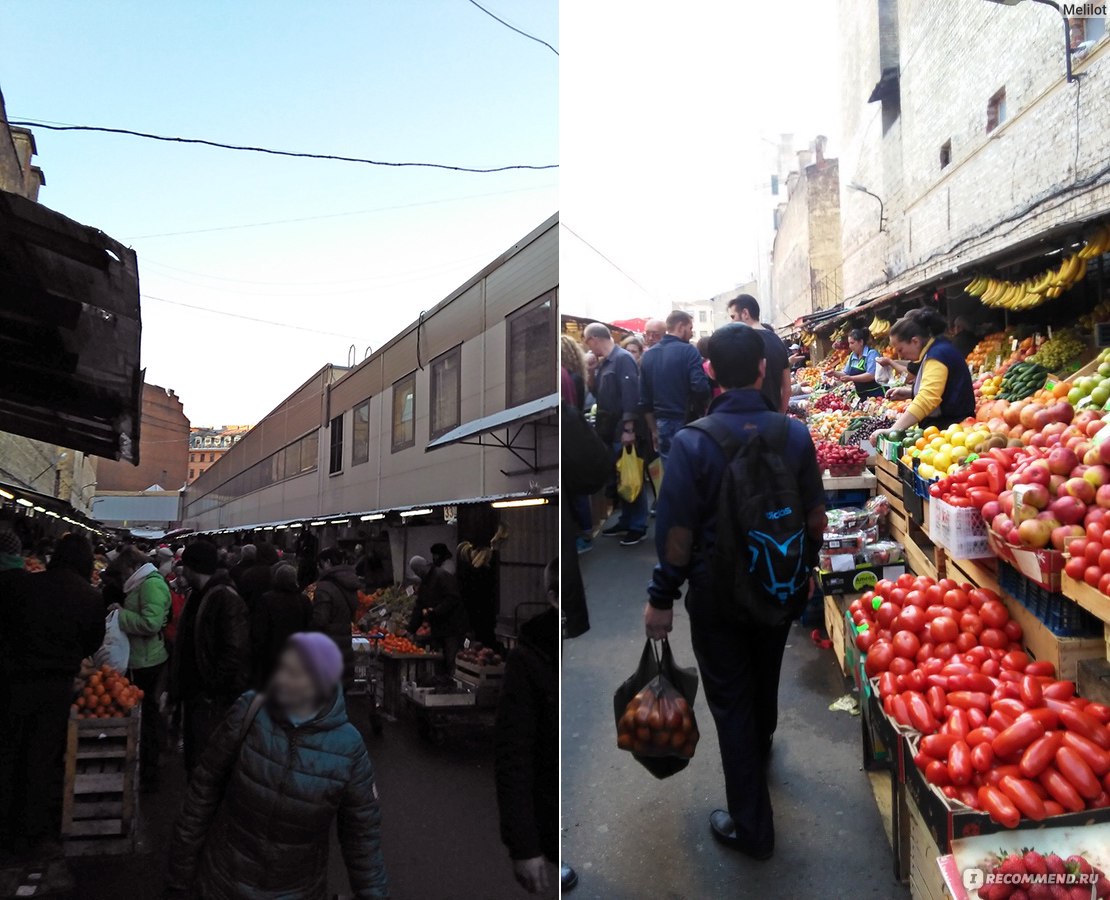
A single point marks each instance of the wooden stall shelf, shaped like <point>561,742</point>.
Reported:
<point>1063,652</point>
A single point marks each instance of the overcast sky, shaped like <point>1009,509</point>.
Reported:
<point>665,114</point>
<point>434,80</point>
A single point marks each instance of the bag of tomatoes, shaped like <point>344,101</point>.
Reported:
<point>654,711</point>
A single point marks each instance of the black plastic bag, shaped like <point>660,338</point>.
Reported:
<point>655,692</point>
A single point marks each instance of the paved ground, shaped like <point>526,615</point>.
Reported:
<point>441,838</point>
<point>631,836</point>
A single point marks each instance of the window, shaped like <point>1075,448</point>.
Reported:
<point>404,412</point>
<point>1085,33</point>
<point>360,433</point>
<point>335,462</point>
<point>702,316</point>
<point>310,449</point>
<point>445,389</point>
<point>945,154</point>
<point>996,110</point>
<point>211,457</point>
<point>192,474</point>
<point>531,351</point>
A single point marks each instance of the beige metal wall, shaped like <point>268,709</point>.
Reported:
<point>475,317</point>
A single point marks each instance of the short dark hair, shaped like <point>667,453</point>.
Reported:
<point>73,552</point>
<point>860,334</point>
<point>267,553</point>
<point>745,303</point>
<point>735,351</point>
<point>678,317</point>
<point>333,556</point>
<point>919,323</point>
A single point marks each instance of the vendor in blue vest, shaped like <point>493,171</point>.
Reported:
<point>942,392</point>
<point>860,369</point>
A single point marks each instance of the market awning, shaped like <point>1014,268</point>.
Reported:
<point>480,432</point>
<point>69,333</point>
<point>29,502</point>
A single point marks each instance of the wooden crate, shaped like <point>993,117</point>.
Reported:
<point>480,676</point>
<point>100,798</point>
<point>1093,680</point>
<point>926,881</point>
<point>923,557</point>
<point>834,627</point>
<point>981,573</point>
<point>1063,652</point>
<point>1091,599</point>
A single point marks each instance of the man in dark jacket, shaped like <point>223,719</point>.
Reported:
<point>527,747</point>
<point>333,607</point>
<point>53,621</point>
<point>248,556</point>
<point>439,604</point>
<point>255,580</point>
<point>674,388</point>
<point>280,612</point>
<point>212,665</point>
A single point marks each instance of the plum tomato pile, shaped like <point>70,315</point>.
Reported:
<point>841,460</point>
<point>999,732</point>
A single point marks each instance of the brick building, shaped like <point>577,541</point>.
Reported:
<point>805,260</point>
<point>163,447</point>
<point>958,118</point>
<point>206,445</point>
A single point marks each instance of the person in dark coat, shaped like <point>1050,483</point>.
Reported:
<point>213,664</point>
<point>280,612</point>
<point>12,568</point>
<point>333,607</point>
<point>256,579</point>
<point>248,556</point>
<point>53,621</point>
<point>438,603</point>
<point>527,747</point>
<point>257,818</point>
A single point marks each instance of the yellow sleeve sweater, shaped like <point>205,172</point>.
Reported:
<point>934,378</point>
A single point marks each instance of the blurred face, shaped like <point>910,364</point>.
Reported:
<point>635,350</point>
<point>291,686</point>
<point>685,331</point>
<point>856,346</point>
<point>591,361</point>
<point>653,333</point>
<point>908,350</point>
<point>735,314</point>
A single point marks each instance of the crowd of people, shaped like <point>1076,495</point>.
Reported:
<point>248,677</point>
<point>700,410</point>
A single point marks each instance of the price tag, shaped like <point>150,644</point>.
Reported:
<point>1050,385</point>
<point>1050,332</point>
<point>1013,345</point>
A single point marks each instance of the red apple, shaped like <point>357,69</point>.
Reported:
<point>1097,474</point>
<point>1006,499</point>
<point>1065,535</point>
<point>1034,533</point>
<point>1069,510</point>
<point>1062,460</point>
<point>1055,483</point>
<point>1035,495</point>
<point>1002,524</point>
<point>1079,488</point>
<point>990,510</point>
<point>1036,473</point>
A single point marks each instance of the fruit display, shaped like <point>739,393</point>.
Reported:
<point>479,655</point>
<point>863,427</point>
<point>879,328</point>
<point>1022,380</point>
<point>989,352</point>
<point>387,609</point>
<point>833,401</point>
<point>1033,874</point>
<point>941,453</point>
<point>809,376</point>
<point>393,643</point>
<point>836,360</point>
<point>1099,314</point>
<point>105,694</point>
<point>839,460</point>
<point>1092,390</point>
<point>1058,351</point>
<point>999,732</point>
<point>658,722</point>
<point>829,426</point>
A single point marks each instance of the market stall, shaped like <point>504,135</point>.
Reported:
<point>982,669</point>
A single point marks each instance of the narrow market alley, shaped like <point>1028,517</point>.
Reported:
<point>631,836</point>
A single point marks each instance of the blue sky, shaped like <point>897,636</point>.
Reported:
<point>422,80</point>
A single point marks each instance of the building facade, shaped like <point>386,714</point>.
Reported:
<point>206,445</point>
<point>711,314</point>
<point>163,448</point>
<point>806,257</point>
<point>959,120</point>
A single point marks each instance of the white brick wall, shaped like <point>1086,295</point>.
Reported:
<point>954,57</point>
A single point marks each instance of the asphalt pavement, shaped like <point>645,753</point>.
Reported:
<point>631,836</point>
<point>440,832</point>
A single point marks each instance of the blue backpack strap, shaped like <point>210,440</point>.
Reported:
<point>720,434</point>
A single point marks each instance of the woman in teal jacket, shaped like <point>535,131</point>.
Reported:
<point>278,772</point>
<point>142,617</point>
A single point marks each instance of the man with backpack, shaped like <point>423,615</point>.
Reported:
<point>741,518</point>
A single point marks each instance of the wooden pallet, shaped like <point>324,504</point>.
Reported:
<point>100,799</point>
<point>479,676</point>
<point>926,881</point>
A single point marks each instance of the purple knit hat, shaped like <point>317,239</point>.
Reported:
<point>321,657</point>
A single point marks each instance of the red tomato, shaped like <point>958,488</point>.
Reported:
<point>936,773</point>
<point>1099,711</point>
<point>999,806</point>
<point>901,666</point>
<point>981,735</point>
<point>1031,694</point>
<point>1058,690</point>
<point>1093,755</point>
<point>945,651</point>
<point>898,596</point>
<point>994,614</point>
<point>925,653</point>
<point>1078,721</point>
<point>935,697</point>
<point>944,629</point>
<point>906,644</point>
<point>933,594</point>
<point>938,745</point>
<point>1060,789</point>
<point>994,638</point>
<point>1015,660</point>
<point>1075,769</point>
<point>883,587</point>
<point>921,716</point>
<point>971,623</point>
<point>1013,630</point>
<point>959,763</point>
<point>886,684</point>
<point>864,640</point>
<point>969,700</point>
<point>1023,795</point>
<point>915,598</point>
<point>965,640</point>
<point>906,581</point>
<point>1095,531</point>
<point>1041,669</point>
<point>982,757</point>
<point>1039,755</point>
<point>957,599</point>
<point>958,723</point>
<point>886,613</point>
<point>878,658</point>
<point>912,618</point>
<point>1018,736</point>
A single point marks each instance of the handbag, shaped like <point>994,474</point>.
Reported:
<point>586,459</point>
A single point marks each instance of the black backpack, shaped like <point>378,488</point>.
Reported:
<point>763,558</point>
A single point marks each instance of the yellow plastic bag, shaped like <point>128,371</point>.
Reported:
<point>630,474</point>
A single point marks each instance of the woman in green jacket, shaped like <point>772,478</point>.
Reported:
<point>142,617</point>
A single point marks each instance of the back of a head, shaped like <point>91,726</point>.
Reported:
<point>333,556</point>
<point>131,558</point>
<point>572,356</point>
<point>678,318</point>
<point>249,553</point>
<point>285,578</point>
<point>745,303</point>
<point>595,330</point>
<point>735,352</point>
<point>920,323</point>
<point>75,554</point>
<point>266,554</point>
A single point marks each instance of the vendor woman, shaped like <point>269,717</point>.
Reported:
<point>942,393</point>
<point>860,370</point>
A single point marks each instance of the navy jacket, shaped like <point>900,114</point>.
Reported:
<point>617,391</point>
<point>672,379</point>
<point>958,400</point>
<point>693,482</point>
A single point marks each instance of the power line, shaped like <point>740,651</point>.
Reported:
<point>530,37</point>
<point>231,315</point>
<point>354,212</point>
<point>607,259</point>
<point>271,152</point>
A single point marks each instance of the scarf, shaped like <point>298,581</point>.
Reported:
<point>139,576</point>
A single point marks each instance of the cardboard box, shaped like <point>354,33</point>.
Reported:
<point>859,579</point>
<point>1042,566</point>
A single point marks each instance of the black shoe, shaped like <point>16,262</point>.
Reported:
<point>568,878</point>
<point>632,538</point>
<point>614,531</point>
<point>724,830</point>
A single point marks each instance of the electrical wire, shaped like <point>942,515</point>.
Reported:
<point>530,37</point>
<point>355,212</point>
<point>290,153</point>
<point>607,259</point>
<point>231,315</point>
